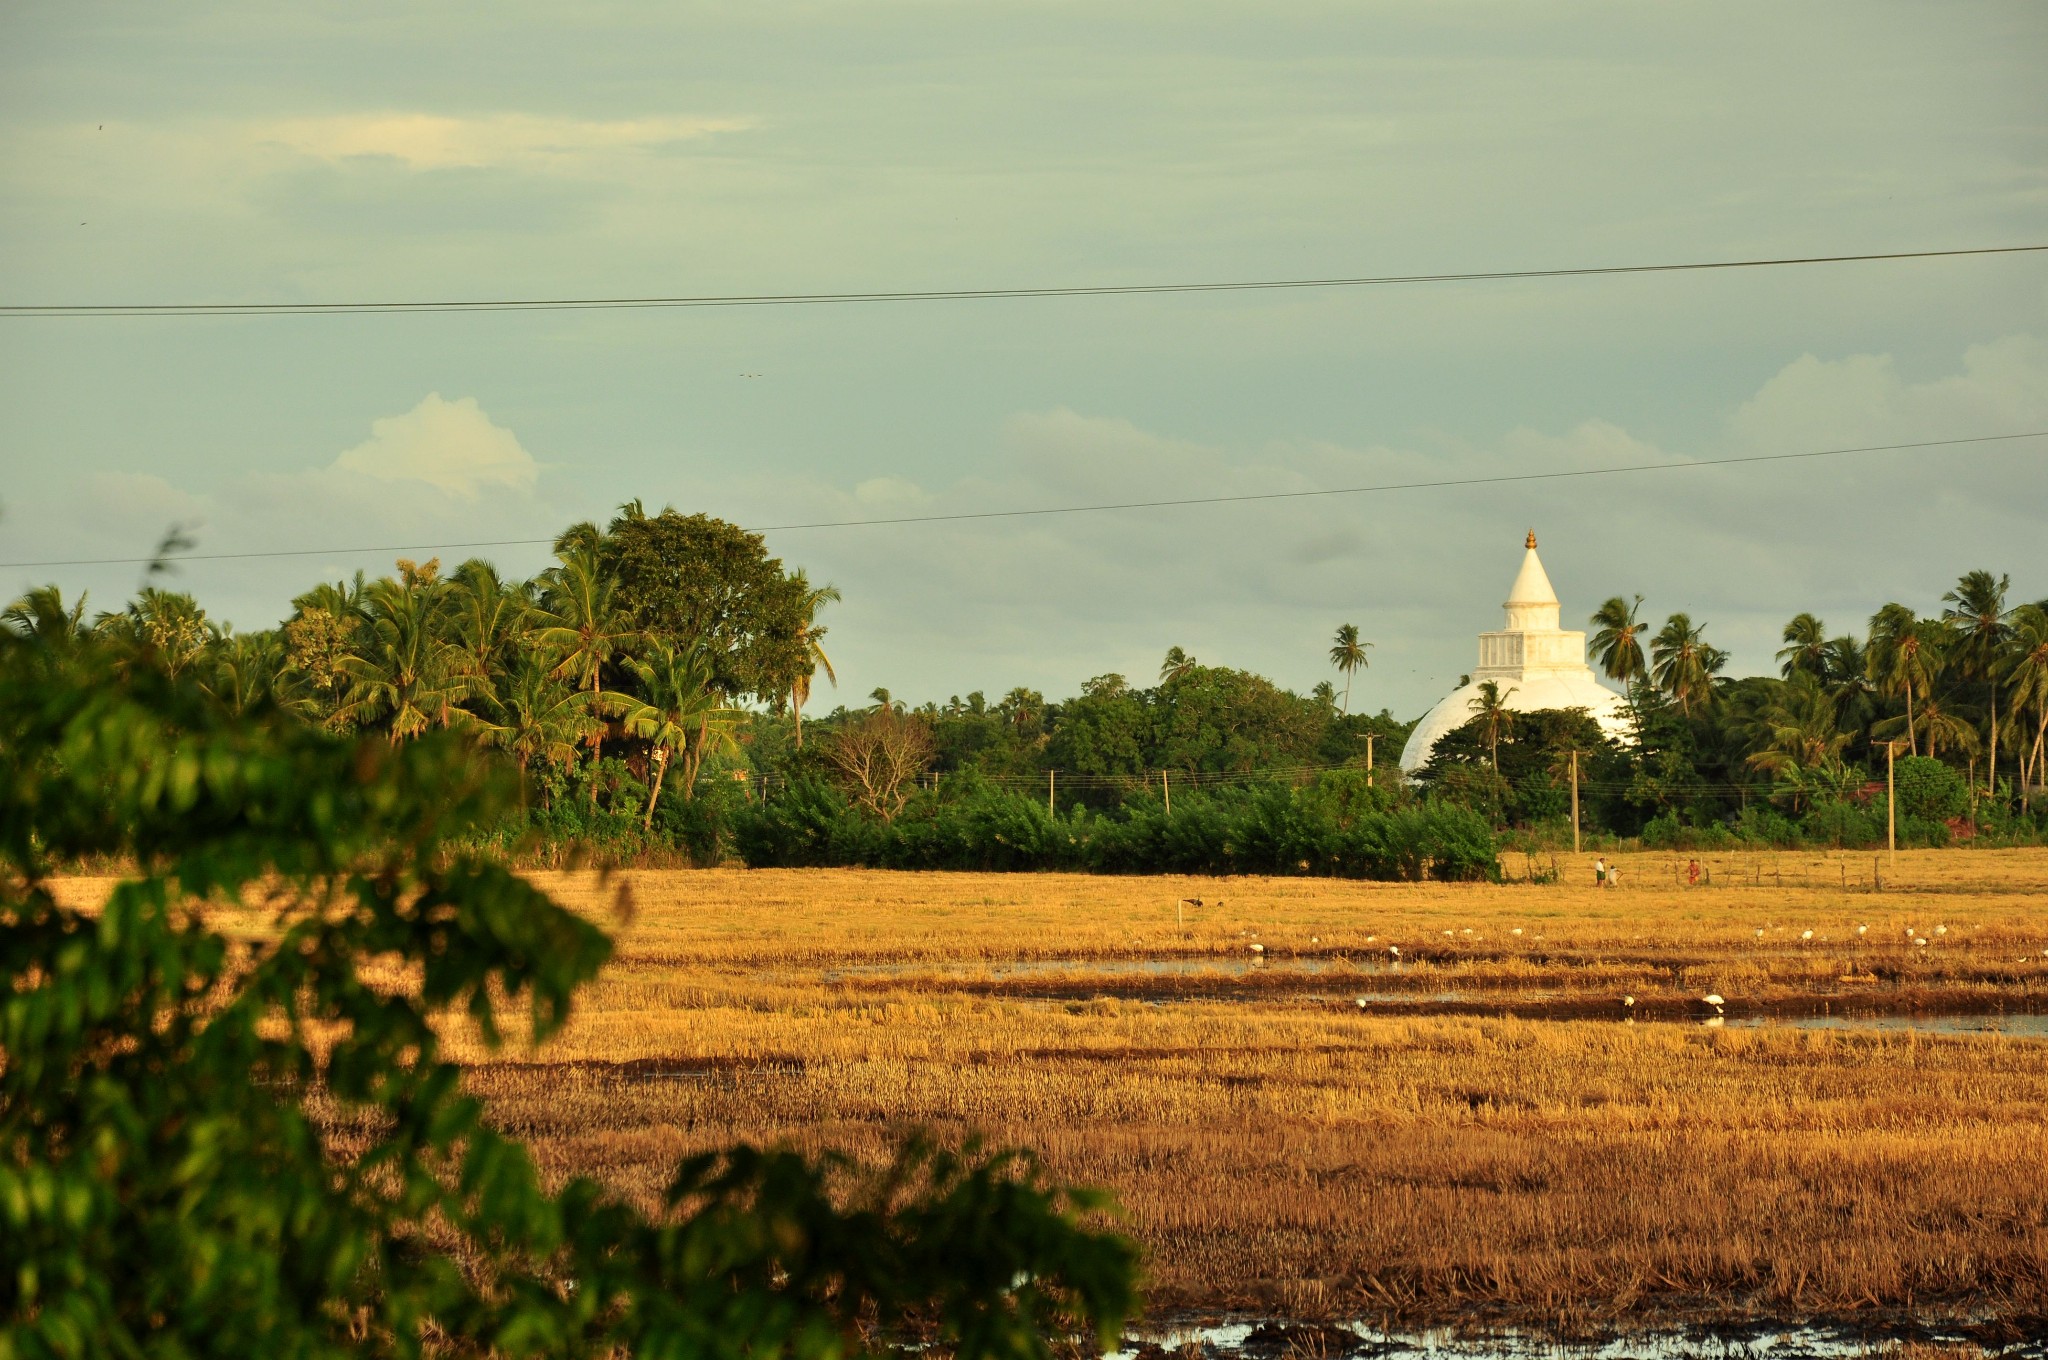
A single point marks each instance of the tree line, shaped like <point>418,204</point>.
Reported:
<point>651,687</point>
<point>1953,701</point>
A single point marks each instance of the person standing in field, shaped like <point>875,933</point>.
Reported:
<point>1600,872</point>
<point>1614,875</point>
<point>1692,874</point>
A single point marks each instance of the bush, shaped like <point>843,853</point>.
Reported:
<point>1842,824</point>
<point>1337,826</point>
<point>168,1183</point>
<point>1927,789</point>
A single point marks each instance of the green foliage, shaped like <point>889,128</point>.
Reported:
<point>1333,825</point>
<point>699,580</point>
<point>178,1061</point>
<point>1928,790</point>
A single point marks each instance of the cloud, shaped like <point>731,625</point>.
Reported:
<point>1864,399</point>
<point>450,445</point>
<point>430,141</point>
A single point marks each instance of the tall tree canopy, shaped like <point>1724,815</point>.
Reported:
<point>698,580</point>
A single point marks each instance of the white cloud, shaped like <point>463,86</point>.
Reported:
<point>1863,399</point>
<point>449,445</point>
<point>430,141</point>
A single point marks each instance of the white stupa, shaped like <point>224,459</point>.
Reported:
<point>1536,664</point>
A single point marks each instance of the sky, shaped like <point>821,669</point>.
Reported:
<point>369,152</point>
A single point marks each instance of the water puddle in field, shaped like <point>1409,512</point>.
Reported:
<point>1238,966</point>
<point>1274,1340</point>
<point>2017,1026</point>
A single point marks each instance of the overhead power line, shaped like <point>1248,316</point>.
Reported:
<point>573,304</point>
<point>1379,488</point>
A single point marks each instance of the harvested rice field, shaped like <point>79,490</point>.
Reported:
<point>1784,1095</point>
<point>1419,1104</point>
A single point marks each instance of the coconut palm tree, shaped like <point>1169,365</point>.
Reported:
<point>488,617</point>
<point>245,669</point>
<point>1491,706</point>
<point>1978,615</point>
<point>584,630</point>
<point>810,637</point>
<point>1347,654</point>
<point>2026,674</point>
<point>1845,671</point>
<point>1806,648</point>
<point>536,717</point>
<point>1176,666</point>
<point>1945,725</point>
<point>1683,663</point>
<point>1906,657</point>
<point>1797,729</point>
<point>406,675</point>
<point>1618,644</point>
<point>41,616</point>
<point>680,712</point>
<point>166,626</point>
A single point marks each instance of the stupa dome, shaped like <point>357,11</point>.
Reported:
<point>1536,664</point>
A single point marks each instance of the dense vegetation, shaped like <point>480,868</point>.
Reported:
<point>651,687</point>
<point>225,1132</point>
<point>1957,702</point>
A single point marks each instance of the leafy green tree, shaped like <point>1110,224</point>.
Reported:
<point>1978,615</point>
<point>1617,644</point>
<point>1347,654</point>
<point>1103,732</point>
<point>696,580</point>
<point>1218,720</point>
<point>174,1057</point>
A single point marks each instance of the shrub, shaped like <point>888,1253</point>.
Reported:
<point>1927,788</point>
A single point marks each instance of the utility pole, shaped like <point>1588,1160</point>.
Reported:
<point>1575,802</point>
<point>1050,810</point>
<point>1891,806</point>
<point>1166,788</point>
<point>1368,757</point>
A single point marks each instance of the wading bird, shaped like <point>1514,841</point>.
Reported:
<point>1714,999</point>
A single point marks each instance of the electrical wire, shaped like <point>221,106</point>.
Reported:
<point>1380,488</point>
<point>192,309</point>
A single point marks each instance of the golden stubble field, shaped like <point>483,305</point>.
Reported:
<point>1277,1145</point>
<point>1297,1122</point>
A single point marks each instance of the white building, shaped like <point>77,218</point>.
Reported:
<point>1536,664</point>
